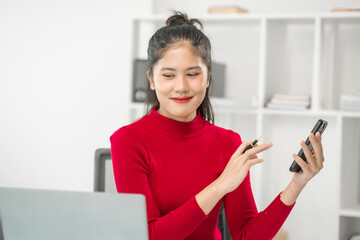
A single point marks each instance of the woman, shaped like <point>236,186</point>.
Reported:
<point>186,166</point>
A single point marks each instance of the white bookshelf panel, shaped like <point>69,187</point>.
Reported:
<point>353,211</point>
<point>289,65</point>
<point>348,227</point>
<point>143,34</point>
<point>350,163</point>
<point>340,69</point>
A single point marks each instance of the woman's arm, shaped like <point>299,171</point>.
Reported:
<point>241,212</point>
<point>233,175</point>
<point>131,170</point>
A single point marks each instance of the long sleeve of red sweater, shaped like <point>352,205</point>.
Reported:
<point>131,171</point>
<point>170,162</point>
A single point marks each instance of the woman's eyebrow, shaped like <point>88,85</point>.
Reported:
<point>173,69</point>
<point>192,68</point>
<point>167,69</point>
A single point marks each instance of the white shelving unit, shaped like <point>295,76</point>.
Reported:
<point>313,54</point>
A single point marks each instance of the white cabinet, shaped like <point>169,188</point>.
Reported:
<point>311,54</point>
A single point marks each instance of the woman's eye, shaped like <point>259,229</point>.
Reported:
<point>168,75</point>
<point>193,74</point>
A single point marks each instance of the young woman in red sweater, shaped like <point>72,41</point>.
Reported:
<point>186,166</point>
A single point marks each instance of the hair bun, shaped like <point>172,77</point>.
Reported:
<point>180,18</point>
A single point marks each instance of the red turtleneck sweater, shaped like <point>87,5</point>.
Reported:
<point>170,162</point>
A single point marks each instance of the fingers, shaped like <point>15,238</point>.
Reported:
<point>245,144</point>
<point>258,149</point>
<point>315,158</point>
<point>241,148</point>
<point>317,153</point>
<point>318,138</point>
<point>307,153</point>
<point>251,162</point>
<point>300,161</point>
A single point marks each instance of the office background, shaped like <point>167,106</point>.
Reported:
<point>65,79</point>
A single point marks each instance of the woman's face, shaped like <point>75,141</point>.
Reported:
<point>180,79</point>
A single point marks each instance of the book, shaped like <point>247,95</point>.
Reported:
<point>346,9</point>
<point>289,101</point>
<point>286,106</point>
<point>227,9</point>
<point>244,102</point>
<point>350,102</point>
<point>291,96</point>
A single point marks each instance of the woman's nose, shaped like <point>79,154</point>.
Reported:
<point>181,84</point>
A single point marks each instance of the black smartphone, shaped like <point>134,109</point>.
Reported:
<point>319,127</point>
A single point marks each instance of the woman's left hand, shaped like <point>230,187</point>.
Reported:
<point>314,161</point>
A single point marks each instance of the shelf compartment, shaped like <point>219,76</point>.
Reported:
<point>142,32</point>
<point>340,57</point>
<point>237,46</point>
<point>348,227</point>
<point>350,163</point>
<point>289,56</point>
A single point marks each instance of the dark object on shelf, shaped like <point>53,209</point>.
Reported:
<point>140,80</point>
<point>218,80</point>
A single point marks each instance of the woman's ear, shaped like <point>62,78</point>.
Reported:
<point>151,80</point>
<point>208,80</point>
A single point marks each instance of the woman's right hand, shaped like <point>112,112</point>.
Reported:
<point>238,166</point>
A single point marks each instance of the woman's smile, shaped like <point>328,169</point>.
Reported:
<point>181,99</point>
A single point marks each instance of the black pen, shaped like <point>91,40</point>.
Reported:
<point>252,144</point>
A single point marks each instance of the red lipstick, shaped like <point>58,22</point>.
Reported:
<point>181,99</point>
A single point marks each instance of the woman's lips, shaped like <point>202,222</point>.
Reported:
<point>181,99</point>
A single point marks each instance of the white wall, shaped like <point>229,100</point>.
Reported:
<point>64,87</point>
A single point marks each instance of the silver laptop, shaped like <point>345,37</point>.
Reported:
<point>46,214</point>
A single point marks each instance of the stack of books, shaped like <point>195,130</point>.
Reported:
<point>350,102</point>
<point>289,101</point>
<point>242,103</point>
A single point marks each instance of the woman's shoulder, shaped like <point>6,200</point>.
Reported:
<point>226,134</point>
<point>132,130</point>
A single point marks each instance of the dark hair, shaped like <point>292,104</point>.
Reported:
<point>180,28</point>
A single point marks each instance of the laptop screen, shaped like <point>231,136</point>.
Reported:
<point>48,214</point>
